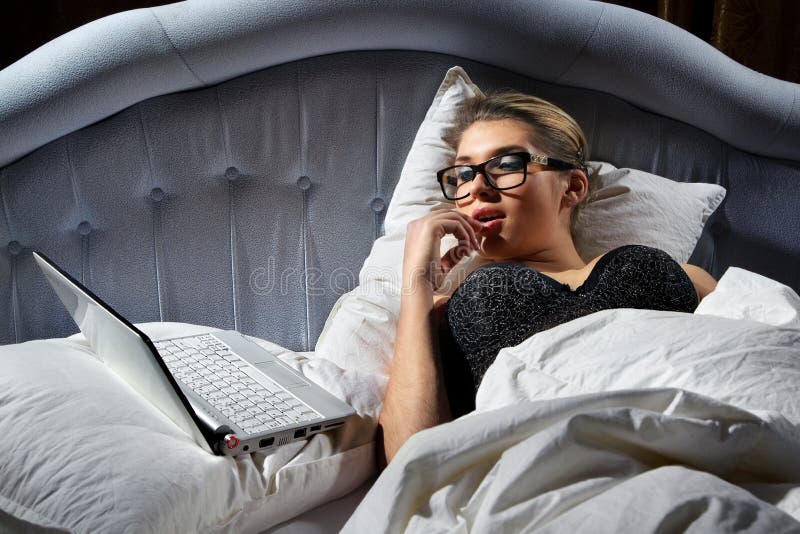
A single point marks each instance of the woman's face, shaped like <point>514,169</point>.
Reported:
<point>524,222</point>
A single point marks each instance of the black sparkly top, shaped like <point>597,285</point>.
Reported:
<point>502,304</point>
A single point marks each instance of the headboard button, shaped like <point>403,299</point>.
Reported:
<point>85,228</point>
<point>14,248</point>
<point>304,182</point>
<point>377,204</point>
<point>232,173</point>
<point>156,194</point>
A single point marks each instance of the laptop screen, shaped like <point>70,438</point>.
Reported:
<point>126,350</point>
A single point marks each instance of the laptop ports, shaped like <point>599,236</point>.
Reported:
<point>266,442</point>
<point>334,425</point>
<point>300,433</point>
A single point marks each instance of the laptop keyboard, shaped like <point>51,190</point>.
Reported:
<point>210,369</point>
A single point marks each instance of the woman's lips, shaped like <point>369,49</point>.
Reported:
<point>490,218</point>
<point>491,227</point>
<point>486,212</point>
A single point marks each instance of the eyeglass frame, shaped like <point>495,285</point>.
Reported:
<point>538,159</point>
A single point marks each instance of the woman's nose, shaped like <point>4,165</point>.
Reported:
<point>480,186</point>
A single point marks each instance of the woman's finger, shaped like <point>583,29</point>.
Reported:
<point>474,227</point>
<point>462,231</point>
<point>423,243</point>
<point>470,225</point>
<point>453,256</point>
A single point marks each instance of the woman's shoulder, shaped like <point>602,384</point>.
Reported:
<point>702,281</point>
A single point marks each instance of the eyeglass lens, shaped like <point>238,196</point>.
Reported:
<point>502,172</point>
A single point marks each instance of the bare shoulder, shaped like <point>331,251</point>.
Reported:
<point>703,282</point>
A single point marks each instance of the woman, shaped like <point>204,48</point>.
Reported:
<point>517,181</point>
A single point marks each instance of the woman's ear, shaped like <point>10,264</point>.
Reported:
<point>577,187</point>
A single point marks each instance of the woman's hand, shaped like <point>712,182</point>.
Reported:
<point>421,260</point>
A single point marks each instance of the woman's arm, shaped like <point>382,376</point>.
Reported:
<point>415,397</point>
<point>703,282</point>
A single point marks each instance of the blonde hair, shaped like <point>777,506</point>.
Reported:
<point>556,132</point>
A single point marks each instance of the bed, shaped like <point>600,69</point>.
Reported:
<point>252,165</point>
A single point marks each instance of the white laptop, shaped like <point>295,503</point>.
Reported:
<point>228,393</point>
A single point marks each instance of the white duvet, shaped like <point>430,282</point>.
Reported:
<point>621,421</point>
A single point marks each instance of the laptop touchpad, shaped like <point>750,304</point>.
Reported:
<point>284,376</point>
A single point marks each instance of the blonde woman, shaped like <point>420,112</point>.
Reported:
<point>517,181</point>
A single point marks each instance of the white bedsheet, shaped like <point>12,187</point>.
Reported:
<point>624,420</point>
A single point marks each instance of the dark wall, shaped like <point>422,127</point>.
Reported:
<point>761,34</point>
<point>26,25</point>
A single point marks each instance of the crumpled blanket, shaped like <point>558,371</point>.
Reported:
<point>620,421</point>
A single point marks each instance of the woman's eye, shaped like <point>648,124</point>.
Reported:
<point>509,164</point>
<point>465,175</point>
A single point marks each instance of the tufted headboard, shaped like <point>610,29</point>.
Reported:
<point>230,164</point>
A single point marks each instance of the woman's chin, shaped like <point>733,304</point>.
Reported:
<point>491,248</point>
<point>497,249</point>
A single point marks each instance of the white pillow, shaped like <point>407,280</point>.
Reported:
<point>361,327</point>
<point>629,207</point>
<point>633,207</point>
<point>86,453</point>
<point>417,191</point>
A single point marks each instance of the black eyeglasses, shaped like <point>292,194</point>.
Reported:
<point>500,172</point>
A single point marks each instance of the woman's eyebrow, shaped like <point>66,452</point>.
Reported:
<point>496,152</point>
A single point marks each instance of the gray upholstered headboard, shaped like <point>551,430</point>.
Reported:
<point>229,164</point>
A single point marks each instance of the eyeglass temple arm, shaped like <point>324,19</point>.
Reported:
<point>553,162</point>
